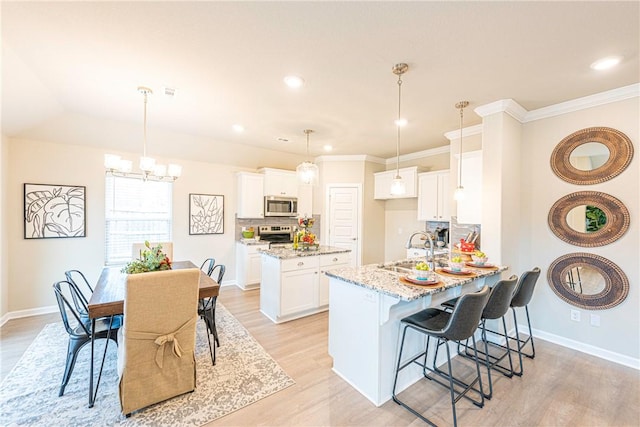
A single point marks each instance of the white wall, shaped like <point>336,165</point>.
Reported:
<point>620,326</point>
<point>34,265</point>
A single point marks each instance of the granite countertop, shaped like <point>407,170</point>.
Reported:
<point>288,252</point>
<point>253,241</point>
<point>374,277</point>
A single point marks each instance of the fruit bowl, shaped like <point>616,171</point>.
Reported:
<point>248,234</point>
<point>456,265</point>
<point>479,260</point>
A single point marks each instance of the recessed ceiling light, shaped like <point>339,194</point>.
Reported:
<point>400,122</point>
<point>294,81</point>
<point>238,128</point>
<point>328,148</point>
<point>606,63</point>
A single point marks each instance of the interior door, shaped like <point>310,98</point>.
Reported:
<point>344,219</point>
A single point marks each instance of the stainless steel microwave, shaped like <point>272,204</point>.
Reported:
<point>280,206</point>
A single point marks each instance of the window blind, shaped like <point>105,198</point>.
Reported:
<point>135,211</point>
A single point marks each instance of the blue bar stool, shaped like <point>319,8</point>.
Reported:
<point>444,326</point>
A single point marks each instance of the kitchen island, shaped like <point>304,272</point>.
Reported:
<point>366,306</point>
<point>293,281</point>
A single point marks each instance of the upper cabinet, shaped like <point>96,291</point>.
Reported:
<point>383,180</point>
<point>470,208</point>
<point>250,196</point>
<point>278,182</point>
<point>434,198</point>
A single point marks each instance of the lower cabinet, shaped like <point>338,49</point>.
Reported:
<point>297,287</point>
<point>249,265</point>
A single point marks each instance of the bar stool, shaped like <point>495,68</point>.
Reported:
<point>521,298</point>
<point>456,326</point>
<point>496,308</point>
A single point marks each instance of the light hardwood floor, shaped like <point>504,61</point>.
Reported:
<point>560,387</point>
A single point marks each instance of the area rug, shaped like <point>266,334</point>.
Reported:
<point>244,373</point>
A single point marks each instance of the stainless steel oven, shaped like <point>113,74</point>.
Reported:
<point>276,235</point>
<point>280,206</point>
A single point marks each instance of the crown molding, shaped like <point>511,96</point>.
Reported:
<point>419,154</point>
<point>508,106</point>
<point>614,95</point>
<point>468,131</point>
<point>351,158</point>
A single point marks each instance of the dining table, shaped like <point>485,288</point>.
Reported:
<point>107,301</point>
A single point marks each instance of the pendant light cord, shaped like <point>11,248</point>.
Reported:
<point>460,150</point>
<point>398,126</point>
<point>144,146</point>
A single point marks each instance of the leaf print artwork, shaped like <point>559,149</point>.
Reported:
<point>53,211</point>
<point>206,214</point>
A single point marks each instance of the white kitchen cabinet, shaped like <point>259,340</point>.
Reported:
<point>327,262</point>
<point>383,180</point>
<point>249,195</point>
<point>279,182</point>
<point>299,289</point>
<point>434,199</point>
<point>249,265</point>
<point>305,201</point>
<point>469,210</point>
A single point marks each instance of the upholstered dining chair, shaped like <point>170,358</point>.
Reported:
<point>207,310</point>
<point>137,248</point>
<point>156,355</point>
<point>78,328</point>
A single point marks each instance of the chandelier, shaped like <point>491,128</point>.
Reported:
<point>117,166</point>
<point>459,193</point>
<point>307,171</point>
<point>397,185</point>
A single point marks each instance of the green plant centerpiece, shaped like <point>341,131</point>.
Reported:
<point>151,259</point>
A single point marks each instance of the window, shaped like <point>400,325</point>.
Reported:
<point>135,211</point>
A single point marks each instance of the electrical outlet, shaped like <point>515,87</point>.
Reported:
<point>575,315</point>
<point>595,320</point>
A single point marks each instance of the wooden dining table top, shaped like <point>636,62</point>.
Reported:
<point>108,296</point>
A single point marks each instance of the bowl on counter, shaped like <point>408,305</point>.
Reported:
<point>456,266</point>
<point>479,260</point>
<point>248,234</point>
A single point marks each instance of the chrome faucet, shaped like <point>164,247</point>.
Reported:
<point>430,259</point>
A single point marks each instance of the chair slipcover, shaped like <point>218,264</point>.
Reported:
<point>156,356</point>
<point>137,248</point>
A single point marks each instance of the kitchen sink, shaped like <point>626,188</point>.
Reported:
<point>407,266</point>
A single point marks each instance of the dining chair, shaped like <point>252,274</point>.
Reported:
<point>445,326</point>
<point>78,329</point>
<point>81,300</point>
<point>207,265</point>
<point>207,311</point>
<point>156,355</point>
<point>137,248</point>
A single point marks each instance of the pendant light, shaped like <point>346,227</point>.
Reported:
<point>150,170</point>
<point>307,171</point>
<point>397,185</point>
<point>459,193</point>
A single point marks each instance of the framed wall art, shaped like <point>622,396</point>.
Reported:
<point>54,211</point>
<point>206,214</point>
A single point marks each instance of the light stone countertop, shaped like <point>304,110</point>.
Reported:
<point>252,242</point>
<point>388,282</point>
<point>287,253</point>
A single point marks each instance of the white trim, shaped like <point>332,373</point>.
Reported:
<point>351,158</point>
<point>468,131</point>
<point>28,313</point>
<point>614,95</point>
<point>508,106</point>
<point>585,348</point>
<point>421,154</point>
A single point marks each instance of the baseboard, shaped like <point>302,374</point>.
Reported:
<point>28,313</point>
<point>585,348</point>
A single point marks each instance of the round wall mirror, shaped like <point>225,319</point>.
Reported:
<point>592,155</point>
<point>588,281</point>
<point>588,218</point>
<point>589,156</point>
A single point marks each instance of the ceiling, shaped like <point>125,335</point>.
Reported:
<point>80,62</point>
